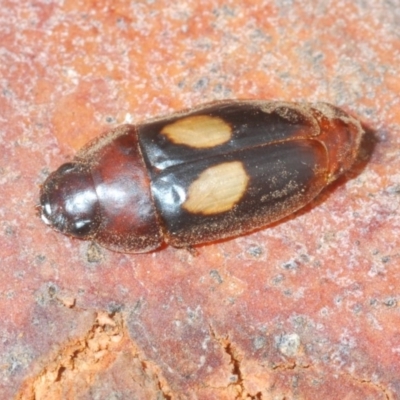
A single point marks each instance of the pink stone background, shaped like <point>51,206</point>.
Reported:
<point>308,308</point>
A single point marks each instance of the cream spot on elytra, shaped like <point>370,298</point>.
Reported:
<point>217,189</point>
<point>199,131</point>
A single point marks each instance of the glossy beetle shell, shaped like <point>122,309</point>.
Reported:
<point>209,173</point>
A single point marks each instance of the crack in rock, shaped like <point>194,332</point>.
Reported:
<point>78,365</point>
<point>235,360</point>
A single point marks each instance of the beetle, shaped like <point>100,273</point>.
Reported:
<point>212,172</point>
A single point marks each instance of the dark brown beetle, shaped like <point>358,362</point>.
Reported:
<point>209,173</point>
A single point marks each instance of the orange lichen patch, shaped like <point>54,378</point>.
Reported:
<point>43,91</point>
<point>217,189</point>
<point>392,81</point>
<point>199,131</point>
<point>80,364</point>
<point>73,120</point>
<point>74,116</point>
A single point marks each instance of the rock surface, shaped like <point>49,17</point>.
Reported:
<point>307,308</point>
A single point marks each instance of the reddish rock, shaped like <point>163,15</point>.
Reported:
<point>306,308</point>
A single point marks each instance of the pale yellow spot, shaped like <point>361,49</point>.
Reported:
<point>199,131</point>
<point>217,189</point>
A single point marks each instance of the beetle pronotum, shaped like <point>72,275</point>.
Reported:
<point>193,177</point>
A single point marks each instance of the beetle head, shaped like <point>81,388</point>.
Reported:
<point>69,203</point>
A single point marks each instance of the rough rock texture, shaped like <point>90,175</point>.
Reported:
<point>308,308</point>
